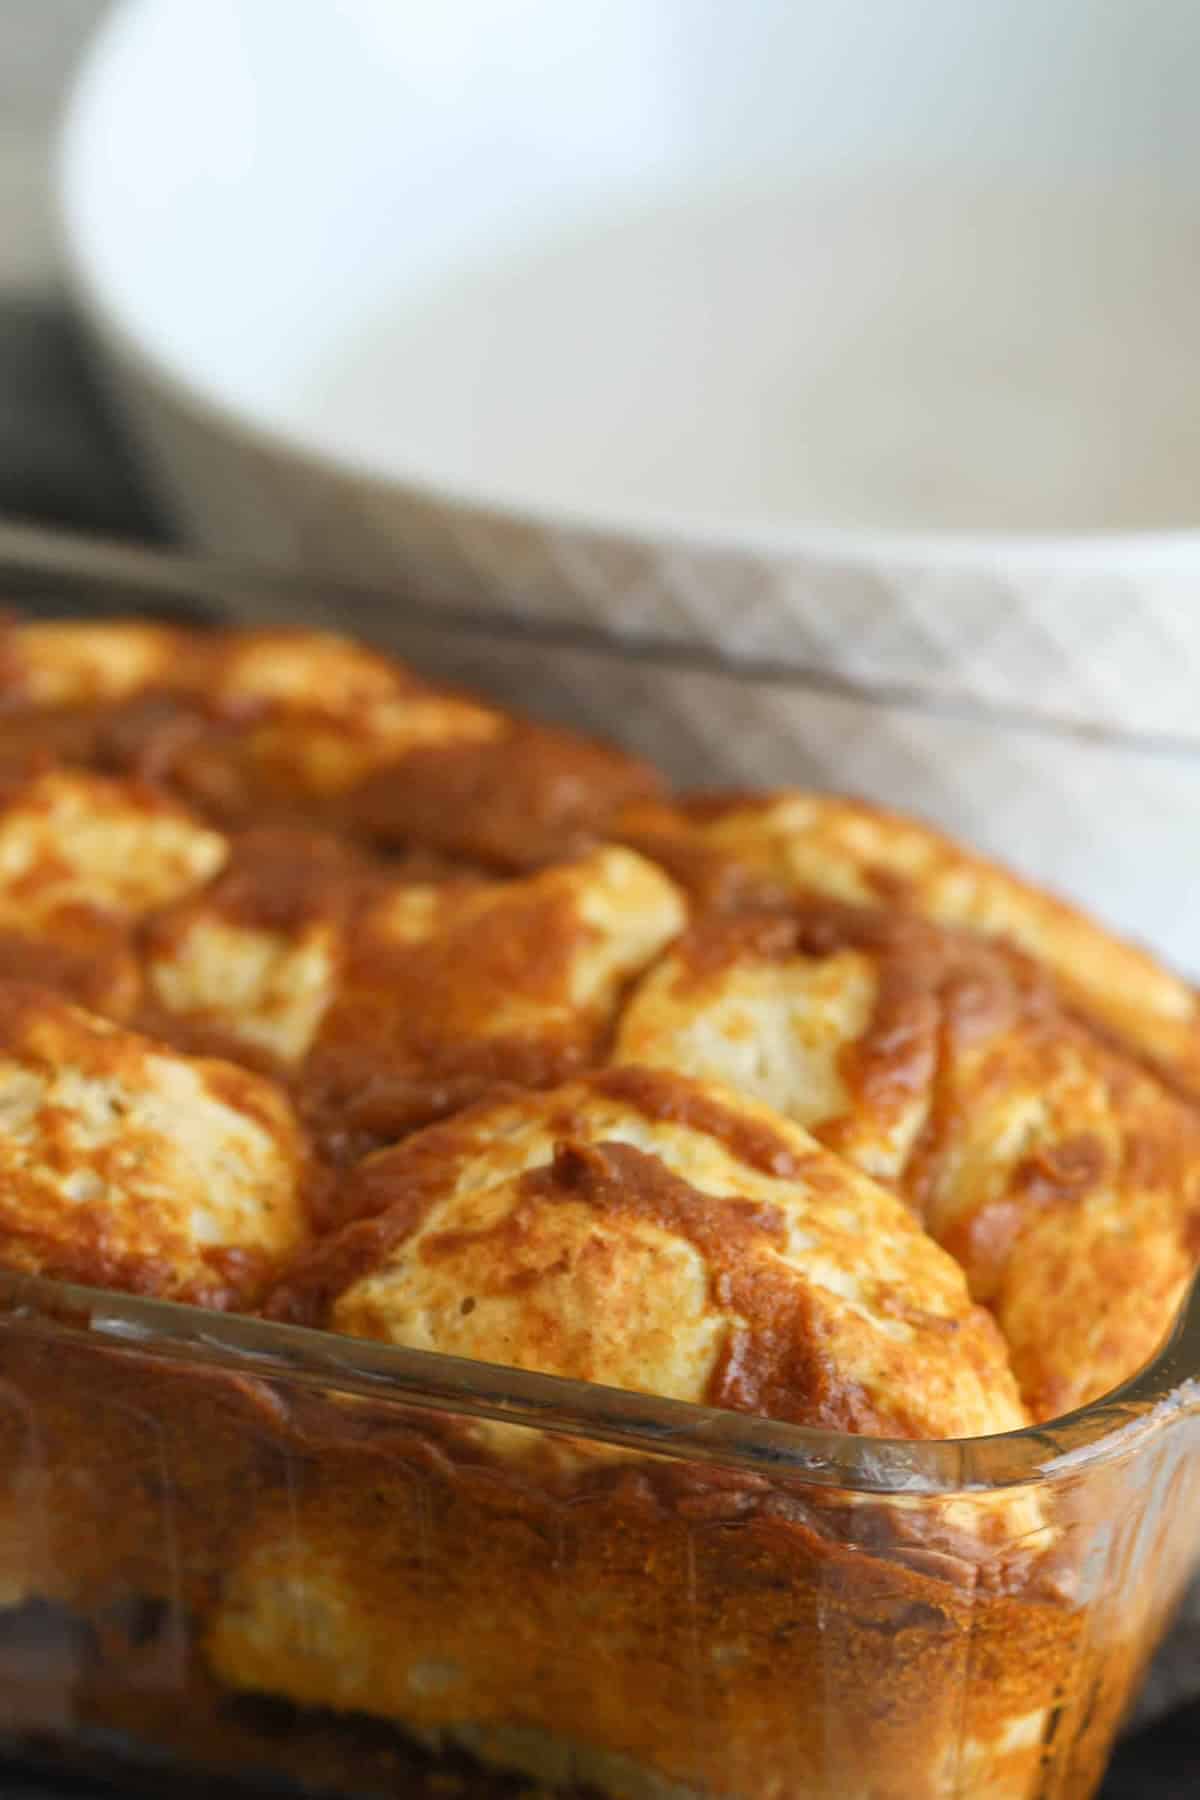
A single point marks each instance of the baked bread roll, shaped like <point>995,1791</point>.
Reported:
<point>307,727</point>
<point>1061,1175</point>
<point>83,859</point>
<point>777,846</point>
<point>125,1165</point>
<point>390,999</point>
<point>648,1232</point>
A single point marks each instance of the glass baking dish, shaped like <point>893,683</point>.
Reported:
<point>249,1547</point>
<point>254,1553</point>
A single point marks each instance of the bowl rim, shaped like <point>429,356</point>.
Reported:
<point>1099,552</point>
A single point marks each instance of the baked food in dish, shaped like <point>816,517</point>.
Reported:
<point>1064,1178</point>
<point>651,1232</point>
<point>83,857</point>
<point>730,850</point>
<point>389,998</point>
<point>334,995</point>
<point>299,726</point>
<point>125,1165</point>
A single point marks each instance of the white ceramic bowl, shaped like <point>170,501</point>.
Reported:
<point>861,337</point>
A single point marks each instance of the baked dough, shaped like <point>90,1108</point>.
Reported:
<point>644,1231</point>
<point>125,1165</point>
<point>1062,1176</point>
<point>778,846</point>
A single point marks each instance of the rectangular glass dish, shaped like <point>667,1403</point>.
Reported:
<point>213,1526</point>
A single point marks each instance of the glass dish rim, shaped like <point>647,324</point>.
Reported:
<point>1114,1426</point>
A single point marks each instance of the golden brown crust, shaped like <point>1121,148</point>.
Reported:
<point>307,727</point>
<point>83,858</point>
<point>72,840</point>
<point>448,990</point>
<point>126,1166</point>
<point>68,663</point>
<point>1062,1176</point>
<point>645,1231</point>
<point>389,1000</point>
<point>522,799</point>
<point>767,848</point>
